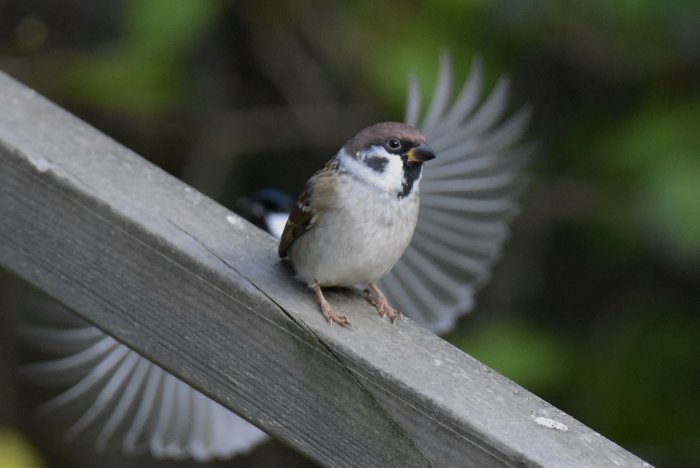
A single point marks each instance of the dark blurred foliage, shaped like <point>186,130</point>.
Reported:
<point>594,306</point>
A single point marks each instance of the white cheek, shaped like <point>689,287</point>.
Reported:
<point>390,180</point>
<point>393,173</point>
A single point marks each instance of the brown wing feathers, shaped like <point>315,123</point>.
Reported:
<point>316,197</point>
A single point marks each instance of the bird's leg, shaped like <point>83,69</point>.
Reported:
<point>326,309</point>
<point>378,300</point>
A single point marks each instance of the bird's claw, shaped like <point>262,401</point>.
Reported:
<point>389,312</point>
<point>331,317</point>
<point>382,306</point>
<point>327,311</point>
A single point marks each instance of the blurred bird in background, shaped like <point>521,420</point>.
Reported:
<point>268,209</point>
<point>469,194</point>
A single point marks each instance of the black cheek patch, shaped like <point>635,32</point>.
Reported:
<point>411,173</point>
<point>376,163</point>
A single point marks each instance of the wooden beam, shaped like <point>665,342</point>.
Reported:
<point>202,293</point>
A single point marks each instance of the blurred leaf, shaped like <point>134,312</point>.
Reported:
<point>615,241</point>
<point>642,380</point>
<point>652,136</point>
<point>162,28</point>
<point>631,14</point>
<point>403,39</point>
<point>657,150</point>
<point>15,452</point>
<point>144,70</point>
<point>669,206</point>
<point>535,358</point>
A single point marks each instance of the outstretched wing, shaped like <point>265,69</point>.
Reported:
<point>115,396</point>
<point>468,195</point>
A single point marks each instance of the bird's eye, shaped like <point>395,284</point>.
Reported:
<point>394,144</point>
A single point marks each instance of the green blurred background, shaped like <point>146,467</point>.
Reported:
<point>594,306</point>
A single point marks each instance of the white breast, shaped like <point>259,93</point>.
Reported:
<point>359,239</point>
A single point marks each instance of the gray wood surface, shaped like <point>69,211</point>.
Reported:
<point>202,293</point>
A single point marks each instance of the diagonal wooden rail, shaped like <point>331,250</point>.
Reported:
<point>201,292</point>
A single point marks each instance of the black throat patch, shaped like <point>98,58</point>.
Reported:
<point>376,163</point>
<point>411,173</point>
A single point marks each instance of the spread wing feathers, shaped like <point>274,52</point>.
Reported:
<point>468,195</point>
<point>117,397</point>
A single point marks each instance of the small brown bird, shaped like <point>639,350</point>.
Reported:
<point>356,215</point>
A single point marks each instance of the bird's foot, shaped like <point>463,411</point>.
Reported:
<point>375,297</point>
<point>327,311</point>
<point>332,317</point>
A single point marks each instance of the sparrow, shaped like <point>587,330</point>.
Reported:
<point>468,196</point>
<point>357,214</point>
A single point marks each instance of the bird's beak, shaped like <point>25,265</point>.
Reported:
<point>420,153</point>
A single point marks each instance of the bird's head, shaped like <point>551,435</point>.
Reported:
<point>388,155</point>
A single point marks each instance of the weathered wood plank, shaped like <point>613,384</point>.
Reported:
<point>201,292</point>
